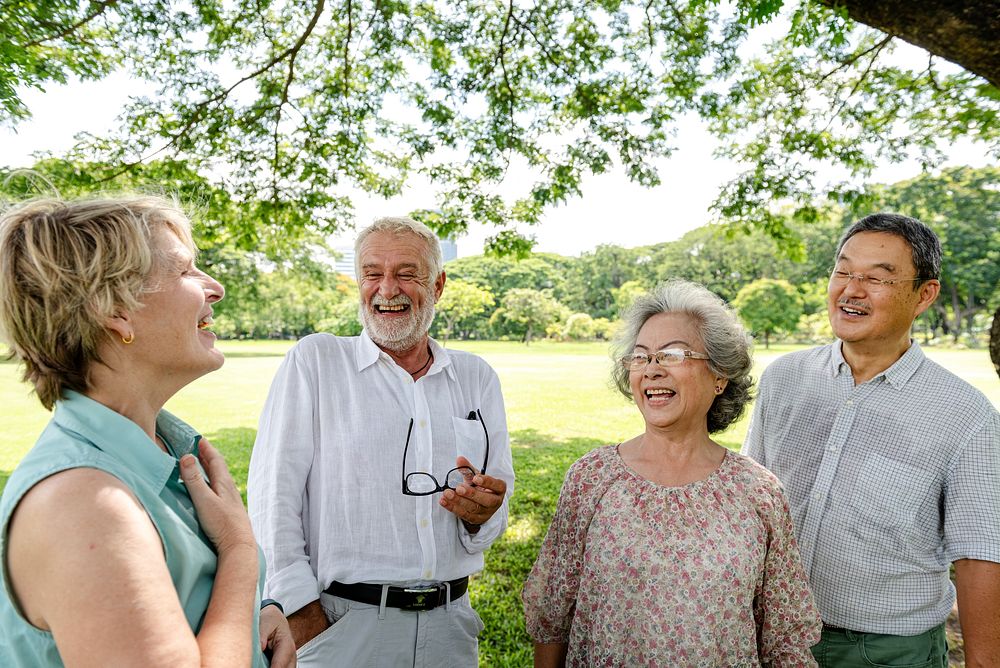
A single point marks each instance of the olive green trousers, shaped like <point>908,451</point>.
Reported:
<point>839,648</point>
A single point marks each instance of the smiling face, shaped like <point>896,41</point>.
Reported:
<point>675,397</point>
<point>862,315</point>
<point>397,291</point>
<point>171,327</point>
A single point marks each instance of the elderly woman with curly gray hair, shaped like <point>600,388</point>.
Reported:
<point>668,549</point>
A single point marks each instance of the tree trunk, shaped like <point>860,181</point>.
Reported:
<point>962,31</point>
<point>956,310</point>
<point>995,341</point>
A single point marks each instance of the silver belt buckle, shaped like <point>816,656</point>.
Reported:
<point>426,598</point>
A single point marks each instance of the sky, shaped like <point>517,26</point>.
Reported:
<point>612,210</point>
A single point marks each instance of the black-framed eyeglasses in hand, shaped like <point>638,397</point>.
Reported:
<point>420,483</point>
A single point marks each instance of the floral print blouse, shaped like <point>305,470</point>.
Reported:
<point>633,573</point>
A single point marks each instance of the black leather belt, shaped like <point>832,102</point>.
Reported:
<point>836,629</point>
<point>416,598</point>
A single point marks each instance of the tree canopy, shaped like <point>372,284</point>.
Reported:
<point>296,106</point>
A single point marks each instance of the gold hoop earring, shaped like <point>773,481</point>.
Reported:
<point>129,339</point>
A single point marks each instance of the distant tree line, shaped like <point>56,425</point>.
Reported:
<point>279,289</point>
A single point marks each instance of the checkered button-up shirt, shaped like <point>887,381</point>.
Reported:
<point>889,482</point>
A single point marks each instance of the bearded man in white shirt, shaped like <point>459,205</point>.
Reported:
<point>381,473</point>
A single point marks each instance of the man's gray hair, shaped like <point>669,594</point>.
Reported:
<point>726,341</point>
<point>925,247</point>
<point>403,225</point>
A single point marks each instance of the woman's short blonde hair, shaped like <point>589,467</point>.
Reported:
<point>66,267</point>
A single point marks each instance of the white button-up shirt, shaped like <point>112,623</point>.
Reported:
<point>889,482</point>
<point>325,485</point>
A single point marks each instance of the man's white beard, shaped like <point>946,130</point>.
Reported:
<point>400,334</point>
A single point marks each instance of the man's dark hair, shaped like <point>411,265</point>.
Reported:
<point>924,244</point>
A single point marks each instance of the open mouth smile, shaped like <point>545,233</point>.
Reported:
<point>657,394</point>
<point>853,309</point>
<point>391,308</point>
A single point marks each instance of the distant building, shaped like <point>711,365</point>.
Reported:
<point>345,263</point>
<point>449,249</point>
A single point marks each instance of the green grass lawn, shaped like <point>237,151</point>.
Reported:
<point>560,404</point>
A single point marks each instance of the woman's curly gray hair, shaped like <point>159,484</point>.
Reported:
<point>726,341</point>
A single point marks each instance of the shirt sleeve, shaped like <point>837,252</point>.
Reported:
<point>500,466</point>
<point>753,444</point>
<point>550,590</point>
<point>279,466</point>
<point>972,495</point>
<point>787,620</point>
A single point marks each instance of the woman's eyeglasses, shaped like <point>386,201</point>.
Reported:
<point>666,357</point>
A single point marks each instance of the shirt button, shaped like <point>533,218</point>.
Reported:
<point>849,402</point>
<point>817,496</point>
<point>423,423</point>
<point>423,523</point>
<point>427,575</point>
<point>833,448</point>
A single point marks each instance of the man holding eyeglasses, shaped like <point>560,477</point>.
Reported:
<point>891,464</point>
<point>381,473</point>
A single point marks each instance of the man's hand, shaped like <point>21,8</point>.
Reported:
<point>307,623</point>
<point>474,503</point>
<point>276,638</point>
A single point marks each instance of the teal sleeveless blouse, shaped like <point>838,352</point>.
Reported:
<point>85,433</point>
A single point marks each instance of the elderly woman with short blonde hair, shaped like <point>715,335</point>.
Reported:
<point>125,538</point>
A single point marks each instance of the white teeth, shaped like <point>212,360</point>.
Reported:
<point>852,311</point>
<point>398,307</point>
<point>658,391</point>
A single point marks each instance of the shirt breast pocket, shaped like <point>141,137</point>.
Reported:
<point>470,440</point>
<point>890,495</point>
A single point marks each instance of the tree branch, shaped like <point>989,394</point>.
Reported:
<point>649,25</point>
<point>101,6</point>
<point>501,53</point>
<point>347,47</point>
<point>856,57</point>
<point>204,104</point>
<point>542,47</point>
<point>857,84</point>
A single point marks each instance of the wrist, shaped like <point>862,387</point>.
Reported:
<point>470,527</point>
<point>270,601</point>
<point>236,542</point>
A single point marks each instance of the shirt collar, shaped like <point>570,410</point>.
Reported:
<point>367,353</point>
<point>897,374</point>
<point>837,361</point>
<point>120,438</point>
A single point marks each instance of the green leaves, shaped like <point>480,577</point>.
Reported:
<point>300,104</point>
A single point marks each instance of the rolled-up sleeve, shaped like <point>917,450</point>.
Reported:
<point>276,499</point>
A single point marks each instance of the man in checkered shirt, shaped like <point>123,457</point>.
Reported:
<point>891,464</point>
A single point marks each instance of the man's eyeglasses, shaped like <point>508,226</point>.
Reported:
<point>666,357</point>
<point>420,483</point>
<point>842,278</point>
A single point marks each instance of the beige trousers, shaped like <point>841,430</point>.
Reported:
<point>367,636</point>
